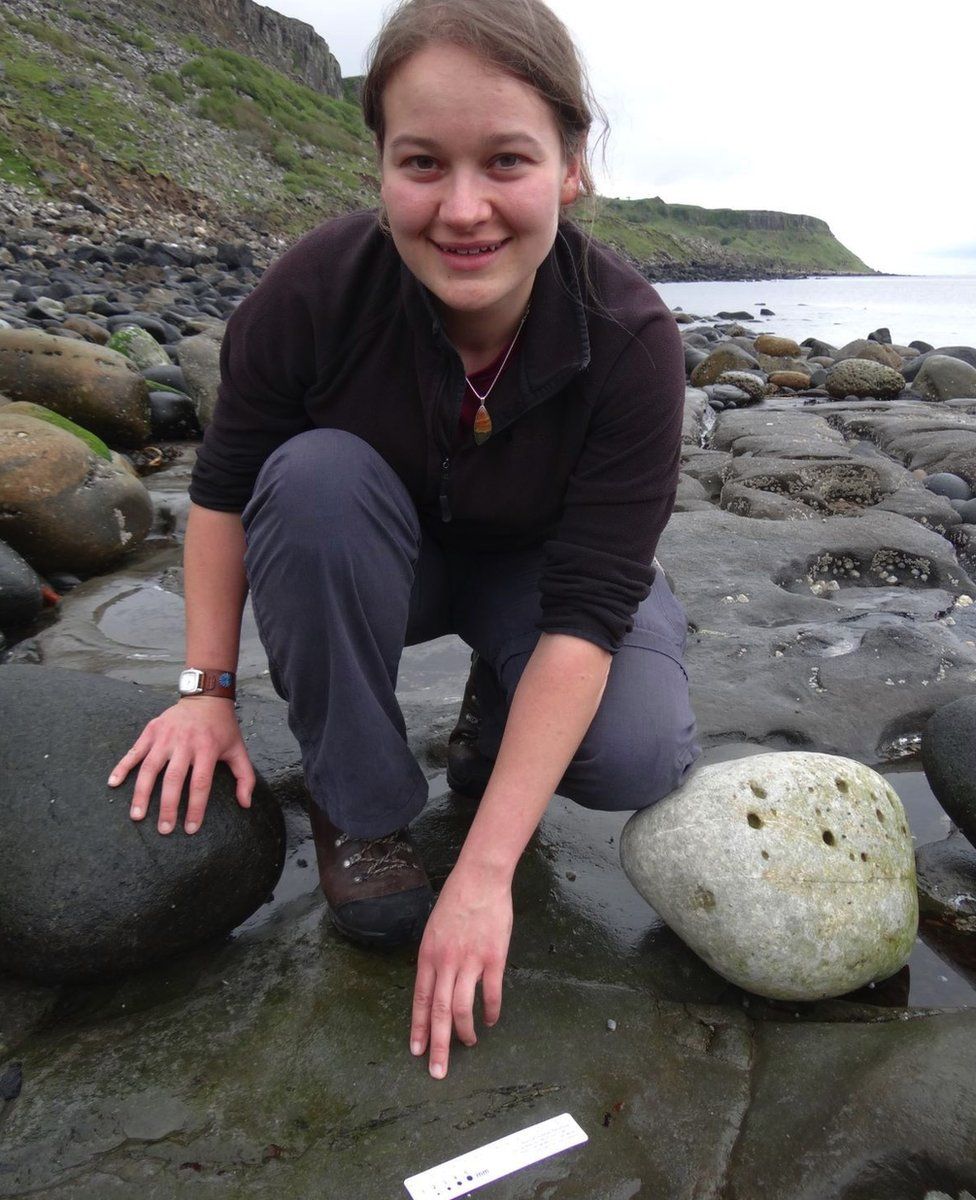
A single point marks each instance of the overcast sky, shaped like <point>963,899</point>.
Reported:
<point>855,111</point>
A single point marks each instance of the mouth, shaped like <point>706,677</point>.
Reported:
<point>480,250</point>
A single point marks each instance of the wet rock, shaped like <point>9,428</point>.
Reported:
<point>86,892</point>
<point>777,347</point>
<point>91,331</point>
<point>834,634</point>
<point>946,873</point>
<point>950,486</point>
<point>753,384</point>
<point>727,357</point>
<point>199,359</point>
<point>869,351</point>
<point>65,507</point>
<point>168,373</point>
<point>139,346</point>
<point>945,378</point>
<point>882,335</point>
<point>949,758</point>
<point>966,354</point>
<point>20,589</point>
<point>91,385</point>
<point>861,377</point>
<point>40,413</point>
<point>790,874</point>
<point>790,379</point>
<point>912,500</point>
<point>174,416</point>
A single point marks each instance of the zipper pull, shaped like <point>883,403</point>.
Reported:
<point>444,502</point>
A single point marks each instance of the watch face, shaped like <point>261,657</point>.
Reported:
<point>190,681</point>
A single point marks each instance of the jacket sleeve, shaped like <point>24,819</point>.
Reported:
<point>598,566</point>
<point>267,364</point>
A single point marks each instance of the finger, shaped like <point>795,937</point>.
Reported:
<point>441,1022</point>
<point>423,997</point>
<point>240,765</point>
<point>201,780</point>
<point>152,764</point>
<point>491,991</point>
<point>136,753</point>
<point>169,798</point>
<point>462,1007</point>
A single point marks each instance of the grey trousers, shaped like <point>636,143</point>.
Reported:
<point>342,577</point>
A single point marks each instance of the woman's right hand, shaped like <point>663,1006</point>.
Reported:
<point>189,738</point>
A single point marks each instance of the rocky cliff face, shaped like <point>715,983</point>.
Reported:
<point>290,46</point>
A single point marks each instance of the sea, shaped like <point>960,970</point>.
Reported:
<point>940,310</point>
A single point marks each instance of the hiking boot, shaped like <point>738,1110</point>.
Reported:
<point>377,888</point>
<point>468,770</point>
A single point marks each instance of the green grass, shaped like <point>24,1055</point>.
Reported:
<point>46,33</point>
<point>243,94</point>
<point>169,85</point>
<point>14,166</point>
<point>132,37</point>
<point>650,230</point>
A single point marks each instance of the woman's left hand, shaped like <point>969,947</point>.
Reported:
<point>466,940</point>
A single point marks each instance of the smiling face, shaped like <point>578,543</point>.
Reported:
<point>473,178</point>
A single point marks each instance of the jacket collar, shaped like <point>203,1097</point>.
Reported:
<point>554,345</point>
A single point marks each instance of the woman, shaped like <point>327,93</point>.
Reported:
<point>463,417</point>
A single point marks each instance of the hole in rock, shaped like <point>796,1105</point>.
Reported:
<point>757,790</point>
<point>765,854</point>
<point>879,814</point>
<point>841,784</point>
<point>755,820</point>
<point>864,857</point>
<point>828,837</point>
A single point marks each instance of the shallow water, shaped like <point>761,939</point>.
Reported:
<point>940,310</point>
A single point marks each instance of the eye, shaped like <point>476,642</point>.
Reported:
<point>508,162</point>
<point>424,163</point>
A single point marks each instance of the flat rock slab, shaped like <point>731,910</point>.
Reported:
<point>816,634</point>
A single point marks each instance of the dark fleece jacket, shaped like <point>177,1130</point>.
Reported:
<point>586,418</point>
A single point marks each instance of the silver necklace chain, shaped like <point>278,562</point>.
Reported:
<point>482,398</point>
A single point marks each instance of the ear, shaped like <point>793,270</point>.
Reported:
<point>570,187</point>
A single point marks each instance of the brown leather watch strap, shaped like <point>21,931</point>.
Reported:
<point>208,682</point>
<point>219,683</point>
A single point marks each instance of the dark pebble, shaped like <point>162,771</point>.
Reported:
<point>11,1082</point>
<point>172,376</point>
<point>174,416</point>
<point>951,486</point>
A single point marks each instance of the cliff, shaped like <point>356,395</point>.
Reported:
<point>225,111</point>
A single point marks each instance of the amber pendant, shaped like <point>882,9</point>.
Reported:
<point>482,425</point>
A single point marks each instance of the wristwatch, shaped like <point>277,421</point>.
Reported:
<point>194,682</point>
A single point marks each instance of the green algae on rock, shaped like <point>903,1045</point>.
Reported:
<point>139,346</point>
<point>791,874</point>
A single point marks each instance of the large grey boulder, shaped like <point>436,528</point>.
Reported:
<point>92,385</point>
<point>199,359</point>
<point>85,892</point>
<point>945,378</point>
<point>860,377</point>
<point>949,758</point>
<point>790,874</point>
<point>66,508</point>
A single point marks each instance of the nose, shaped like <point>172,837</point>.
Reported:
<point>465,200</point>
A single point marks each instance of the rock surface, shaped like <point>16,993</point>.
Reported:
<point>91,385</point>
<point>949,757</point>
<point>791,874</point>
<point>63,506</point>
<point>86,892</point>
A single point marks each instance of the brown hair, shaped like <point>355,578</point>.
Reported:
<point>523,38</point>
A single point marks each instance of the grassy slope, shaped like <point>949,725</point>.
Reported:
<point>306,155</point>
